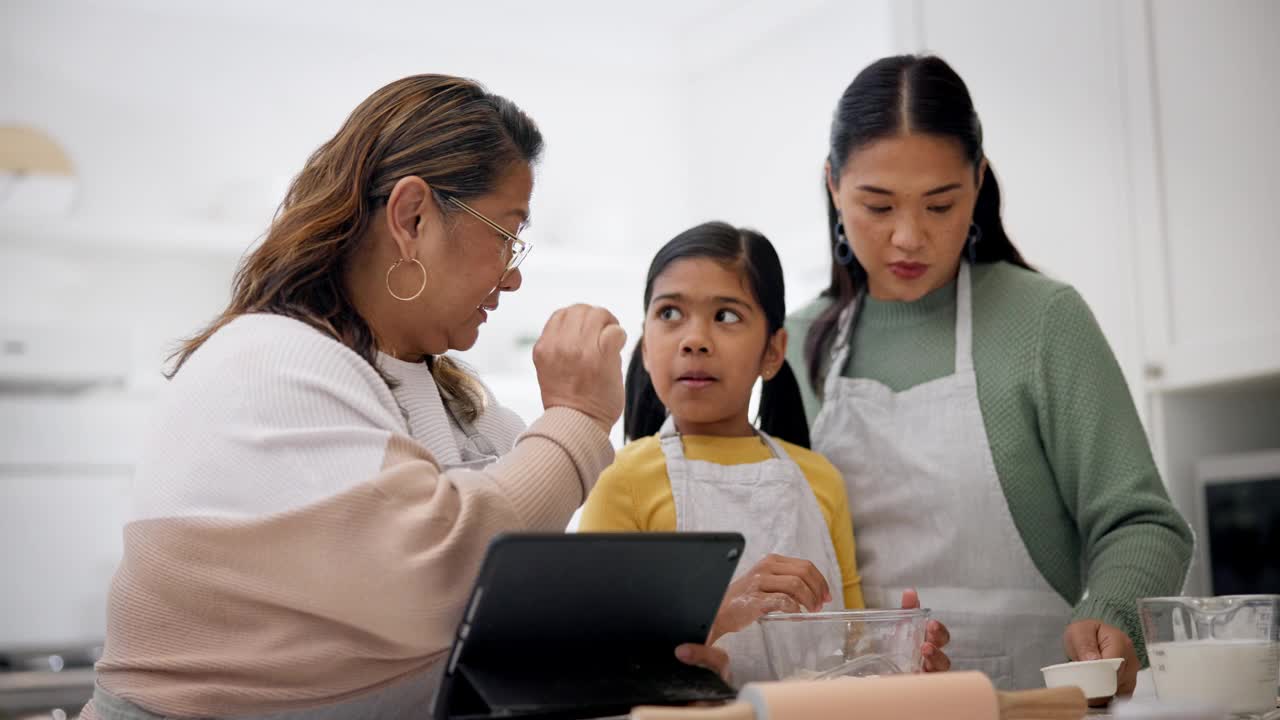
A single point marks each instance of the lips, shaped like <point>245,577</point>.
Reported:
<point>908,270</point>
<point>696,379</point>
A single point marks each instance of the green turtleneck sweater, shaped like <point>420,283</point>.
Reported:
<point>1068,446</point>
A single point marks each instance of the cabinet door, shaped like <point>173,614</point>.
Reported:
<point>1217,129</point>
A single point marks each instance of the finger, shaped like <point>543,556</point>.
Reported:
<point>809,574</point>
<point>1116,643</point>
<point>776,602</point>
<point>1081,640</point>
<point>792,586</point>
<point>595,319</point>
<point>1112,641</point>
<point>934,659</point>
<point>937,634</point>
<point>612,340</point>
<point>910,599</point>
<point>705,656</point>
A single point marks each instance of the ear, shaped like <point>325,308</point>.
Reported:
<point>982,171</point>
<point>775,353</point>
<point>411,207</point>
<point>644,353</point>
<point>832,185</point>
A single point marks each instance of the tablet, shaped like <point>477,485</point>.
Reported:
<point>586,625</point>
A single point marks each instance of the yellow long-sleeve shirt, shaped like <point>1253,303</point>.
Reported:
<point>634,493</point>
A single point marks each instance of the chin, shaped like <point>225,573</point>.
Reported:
<point>698,414</point>
<point>910,291</point>
<point>464,341</point>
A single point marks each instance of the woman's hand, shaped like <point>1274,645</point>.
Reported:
<point>579,363</point>
<point>1096,640</point>
<point>936,637</point>
<point>775,584</point>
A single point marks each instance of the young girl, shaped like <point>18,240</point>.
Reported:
<point>714,311</point>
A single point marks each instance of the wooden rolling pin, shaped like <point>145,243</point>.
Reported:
<point>946,696</point>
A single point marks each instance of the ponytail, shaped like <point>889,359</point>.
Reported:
<point>782,408</point>
<point>644,412</point>
<point>995,245</point>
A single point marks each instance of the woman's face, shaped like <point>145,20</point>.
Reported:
<point>907,203</point>
<point>465,262</point>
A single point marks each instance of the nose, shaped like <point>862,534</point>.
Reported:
<point>695,343</point>
<point>512,281</point>
<point>908,234</point>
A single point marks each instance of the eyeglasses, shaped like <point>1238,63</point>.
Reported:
<point>516,247</point>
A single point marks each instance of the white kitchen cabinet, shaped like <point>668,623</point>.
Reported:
<point>1206,120</point>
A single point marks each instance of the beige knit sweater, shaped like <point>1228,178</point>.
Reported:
<point>300,544</point>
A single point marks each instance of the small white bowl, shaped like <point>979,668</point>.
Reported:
<point>1097,678</point>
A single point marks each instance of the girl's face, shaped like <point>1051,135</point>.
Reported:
<point>907,203</point>
<point>705,342</point>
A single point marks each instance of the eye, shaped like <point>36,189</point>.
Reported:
<point>728,316</point>
<point>670,314</point>
<point>878,209</point>
<point>941,209</point>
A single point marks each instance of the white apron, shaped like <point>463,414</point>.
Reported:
<point>772,505</point>
<point>929,511</point>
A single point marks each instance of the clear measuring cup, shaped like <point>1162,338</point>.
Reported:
<point>1219,651</point>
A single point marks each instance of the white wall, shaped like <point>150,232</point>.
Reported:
<point>761,120</point>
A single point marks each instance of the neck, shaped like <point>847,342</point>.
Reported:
<point>737,426</point>
<point>366,286</point>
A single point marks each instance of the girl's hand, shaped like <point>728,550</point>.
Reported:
<point>775,584</point>
<point>936,637</point>
<point>705,656</point>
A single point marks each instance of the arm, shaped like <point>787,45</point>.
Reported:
<point>1135,543</point>
<point>286,517</point>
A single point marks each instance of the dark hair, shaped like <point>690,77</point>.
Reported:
<point>924,95</point>
<point>451,132</point>
<point>781,408</point>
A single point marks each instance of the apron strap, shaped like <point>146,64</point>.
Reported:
<point>479,443</point>
<point>777,450</point>
<point>669,439</point>
<point>840,347</point>
<point>964,320</point>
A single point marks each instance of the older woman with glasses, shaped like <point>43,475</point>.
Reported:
<point>321,480</point>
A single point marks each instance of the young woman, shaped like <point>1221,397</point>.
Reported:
<point>988,442</point>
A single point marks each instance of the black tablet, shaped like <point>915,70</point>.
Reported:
<point>586,625</point>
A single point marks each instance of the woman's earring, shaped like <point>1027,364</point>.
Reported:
<point>971,243</point>
<point>843,250</point>
<point>422,287</point>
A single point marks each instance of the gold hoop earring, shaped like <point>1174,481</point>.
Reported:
<point>392,269</point>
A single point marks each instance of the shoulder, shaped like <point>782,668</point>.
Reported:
<point>637,469</point>
<point>278,365</point>
<point>1007,285</point>
<point>640,454</point>
<point>1013,302</point>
